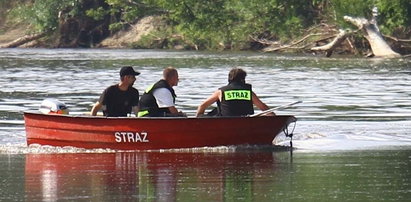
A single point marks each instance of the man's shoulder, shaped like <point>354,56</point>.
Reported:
<point>133,90</point>
<point>162,94</point>
<point>162,91</point>
<point>112,87</point>
<point>163,97</point>
<point>236,85</point>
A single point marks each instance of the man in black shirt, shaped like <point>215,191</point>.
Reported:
<point>119,99</point>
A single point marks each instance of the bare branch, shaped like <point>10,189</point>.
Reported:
<point>397,39</point>
<point>333,44</point>
<point>23,40</point>
<point>291,45</point>
<point>264,41</point>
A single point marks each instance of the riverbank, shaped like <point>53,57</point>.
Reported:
<point>151,33</point>
<point>156,32</point>
<point>147,33</point>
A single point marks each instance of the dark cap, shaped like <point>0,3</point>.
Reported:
<point>128,70</point>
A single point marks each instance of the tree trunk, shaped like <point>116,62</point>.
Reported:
<point>22,40</point>
<point>379,46</point>
<point>329,48</point>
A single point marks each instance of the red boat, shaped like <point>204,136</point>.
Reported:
<point>131,133</point>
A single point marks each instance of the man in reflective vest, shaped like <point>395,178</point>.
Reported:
<point>234,99</point>
<point>159,99</point>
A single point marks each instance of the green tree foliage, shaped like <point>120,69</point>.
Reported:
<point>43,14</point>
<point>122,12</point>
<point>393,14</point>
<point>212,24</point>
<point>351,7</point>
<point>231,22</point>
<point>205,23</point>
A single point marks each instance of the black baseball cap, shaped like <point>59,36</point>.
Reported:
<point>128,70</point>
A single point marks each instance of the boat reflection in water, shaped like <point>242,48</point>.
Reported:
<point>160,176</point>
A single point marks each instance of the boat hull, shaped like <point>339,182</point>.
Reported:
<point>130,133</point>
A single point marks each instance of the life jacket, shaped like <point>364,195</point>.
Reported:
<point>148,104</point>
<point>236,100</point>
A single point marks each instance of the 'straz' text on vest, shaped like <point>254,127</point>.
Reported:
<point>237,95</point>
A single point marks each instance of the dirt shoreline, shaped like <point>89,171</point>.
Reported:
<point>121,39</point>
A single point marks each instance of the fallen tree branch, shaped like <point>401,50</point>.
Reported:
<point>397,39</point>
<point>291,45</point>
<point>265,41</point>
<point>350,43</point>
<point>333,39</point>
<point>23,40</point>
<point>329,48</point>
<point>378,45</point>
<point>321,29</point>
<point>371,32</point>
<point>305,37</point>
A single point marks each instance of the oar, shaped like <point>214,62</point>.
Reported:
<point>275,108</point>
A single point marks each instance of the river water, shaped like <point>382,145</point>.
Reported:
<point>352,139</point>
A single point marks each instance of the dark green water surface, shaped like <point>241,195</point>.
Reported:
<point>381,175</point>
<point>352,139</point>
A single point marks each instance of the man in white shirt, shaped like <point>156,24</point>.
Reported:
<point>159,99</point>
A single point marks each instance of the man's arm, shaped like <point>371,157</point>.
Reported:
<point>261,105</point>
<point>173,110</point>
<point>135,109</point>
<point>213,98</point>
<point>165,100</point>
<point>96,108</point>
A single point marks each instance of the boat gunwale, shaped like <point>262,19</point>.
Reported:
<point>151,118</point>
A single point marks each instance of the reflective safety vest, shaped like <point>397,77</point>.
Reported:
<point>148,103</point>
<point>236,99</point>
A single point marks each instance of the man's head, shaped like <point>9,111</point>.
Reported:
<point>128,71</point>
<point>237,75</point>
<point>127,74</point>
<point>170,74</point>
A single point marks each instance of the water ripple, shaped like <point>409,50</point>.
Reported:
<point>332,89</point>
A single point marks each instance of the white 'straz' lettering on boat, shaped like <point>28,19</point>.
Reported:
<point>131,137</point>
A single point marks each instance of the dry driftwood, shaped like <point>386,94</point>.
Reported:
<point>378,44</point>
<point>322,31</point>
<point>397,39</point>
<point>22,40</point>
<point>329,48</point>
<point>292,45</point>
<point>369,28</point>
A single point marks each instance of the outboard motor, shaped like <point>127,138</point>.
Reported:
<point>53,106</point>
